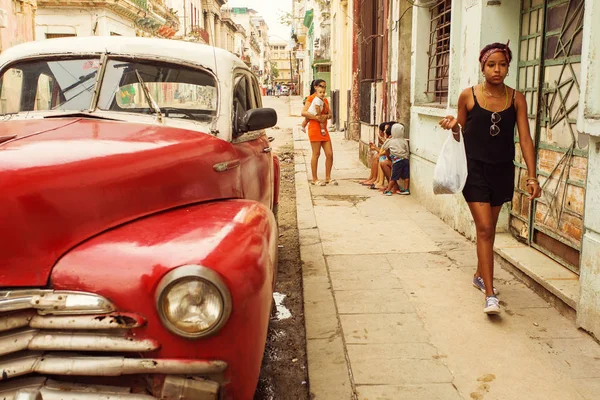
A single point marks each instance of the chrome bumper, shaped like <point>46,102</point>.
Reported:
<point>39,388</point>
<point>45,332</point>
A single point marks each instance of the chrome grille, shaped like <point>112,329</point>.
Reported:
<point>64,333</point>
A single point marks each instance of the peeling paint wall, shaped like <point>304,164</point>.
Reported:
<point>588,308</point>
<point>20,22</point>
<point>81,22</point>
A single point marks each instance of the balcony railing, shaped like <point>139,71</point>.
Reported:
<point>143,4</point>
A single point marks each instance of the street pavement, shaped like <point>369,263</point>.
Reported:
<point>391,313</point>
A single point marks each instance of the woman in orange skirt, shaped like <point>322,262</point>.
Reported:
<point>317,139</point>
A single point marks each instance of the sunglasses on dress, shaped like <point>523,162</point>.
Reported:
<point>495,129</point>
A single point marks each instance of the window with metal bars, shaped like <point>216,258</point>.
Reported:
<point>439,51</point>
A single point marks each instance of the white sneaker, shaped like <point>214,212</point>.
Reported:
<point>492,306</point>
<point>478,283</point>
<point>302,129</point>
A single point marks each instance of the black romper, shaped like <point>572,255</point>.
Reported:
<point>490,158</point>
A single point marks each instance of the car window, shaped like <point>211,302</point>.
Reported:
<point>178,91</point>
<point>49,85</point>
<point>12,83</point>
<point>256,93</point>
<point>46,87</point>
<point>240,95</point>
<point>243,100</point>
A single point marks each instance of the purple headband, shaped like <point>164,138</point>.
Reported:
<point>488,53</point>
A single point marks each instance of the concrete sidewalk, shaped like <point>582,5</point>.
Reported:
<point>391,313</point>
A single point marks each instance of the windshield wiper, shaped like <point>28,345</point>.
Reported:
<point>149,98</point>
<point>83,114</point>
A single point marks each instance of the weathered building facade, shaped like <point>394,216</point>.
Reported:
<point>245,17</point>
<point>191,20</point>
<point>18,22</point>
<point>312,32</point>
<point>281,60</point>
<point>59,18</point>
<point>381,68</point>
<point>342,28</point>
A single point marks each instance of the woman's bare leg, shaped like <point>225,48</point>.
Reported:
<point>373,175</point>
<point>495,215</point>
<point>484,223</point>
<point>380,181</point>
<point>328,149</point>
<point>314,160</point>
<point>386,166</point>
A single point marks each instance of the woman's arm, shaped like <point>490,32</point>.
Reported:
<point>454,124</point>
<point>527,147</point>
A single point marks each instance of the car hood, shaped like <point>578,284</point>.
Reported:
<point>65,180</point>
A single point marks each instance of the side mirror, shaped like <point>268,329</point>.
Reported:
<point>257,119</point>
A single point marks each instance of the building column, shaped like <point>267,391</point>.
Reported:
<point>210,28</point>
<point>217,31</point>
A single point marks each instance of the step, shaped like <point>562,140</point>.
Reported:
<point>551,280</point>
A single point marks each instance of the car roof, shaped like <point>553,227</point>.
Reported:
<point>216,59</point>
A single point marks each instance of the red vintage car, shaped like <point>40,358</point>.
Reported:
<point>138,239</point>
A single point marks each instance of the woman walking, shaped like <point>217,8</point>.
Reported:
<point>317,139</point>
<point>488,113</point>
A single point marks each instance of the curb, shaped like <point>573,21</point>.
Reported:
<point>328,368</point>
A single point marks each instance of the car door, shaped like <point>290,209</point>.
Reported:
<point>253,147</point>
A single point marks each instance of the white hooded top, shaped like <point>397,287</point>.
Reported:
<point>397,144</point>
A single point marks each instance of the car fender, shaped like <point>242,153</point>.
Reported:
<point>235,238</point>
<point>276,182</point>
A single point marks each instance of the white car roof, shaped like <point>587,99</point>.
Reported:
<point>220,61</point>
<point>172,50</point>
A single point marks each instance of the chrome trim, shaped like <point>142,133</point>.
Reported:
<point>55,302</point>
<point>40,388</point>
<point>84,365</point>
<point>33,339</point>
<point>104,321</point>
<point>194,271</point>
<point>227,165</point>
<point>31,318</point>
<point>98,83</point>
<point>248,136</point>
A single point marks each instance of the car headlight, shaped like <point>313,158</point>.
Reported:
<point>193,301</point>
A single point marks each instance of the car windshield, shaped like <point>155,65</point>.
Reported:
<point>176,91</point>
<point>48,85</point>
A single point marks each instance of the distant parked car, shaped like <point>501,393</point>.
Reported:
<point>285,90</point>
<point>139,236</point>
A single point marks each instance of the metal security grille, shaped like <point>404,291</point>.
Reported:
<point>59,35</point>
<point>549,75</point>
<point>439,51</point>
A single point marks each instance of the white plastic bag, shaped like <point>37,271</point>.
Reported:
<point>450,174</point>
